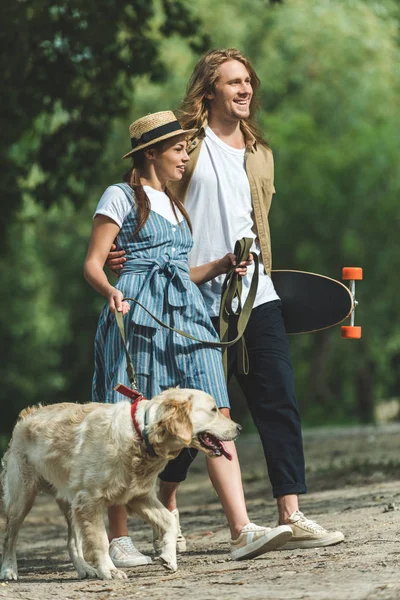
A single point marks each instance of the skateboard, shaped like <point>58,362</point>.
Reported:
<point>312,302</point>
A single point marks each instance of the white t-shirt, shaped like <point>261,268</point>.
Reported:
<point>115,204</point>
<point>220,208</point>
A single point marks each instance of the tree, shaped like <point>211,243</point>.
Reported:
<point>68,69</point>
<point>68,72</point>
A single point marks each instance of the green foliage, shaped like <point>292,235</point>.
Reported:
<point>68,72</point>
<point>331,94</point>
<point>44,305</point>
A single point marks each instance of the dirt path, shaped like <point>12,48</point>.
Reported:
<point>353,478</point>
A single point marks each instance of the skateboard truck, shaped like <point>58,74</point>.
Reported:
<point>352,274</point>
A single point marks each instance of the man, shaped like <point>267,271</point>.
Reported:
<point>227,189</point>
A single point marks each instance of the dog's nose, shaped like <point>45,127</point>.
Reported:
<point>239,429</point>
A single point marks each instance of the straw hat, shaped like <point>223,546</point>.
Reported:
<point>154,128</point>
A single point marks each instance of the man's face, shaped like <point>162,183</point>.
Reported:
<point>230,99</point>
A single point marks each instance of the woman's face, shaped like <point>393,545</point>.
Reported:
<point>170,158</point>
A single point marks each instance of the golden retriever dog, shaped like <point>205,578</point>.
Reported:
<point>93,455</point>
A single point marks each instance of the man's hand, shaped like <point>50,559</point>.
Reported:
<point>115,259</point>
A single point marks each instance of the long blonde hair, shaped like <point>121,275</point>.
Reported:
<point>195,106</point>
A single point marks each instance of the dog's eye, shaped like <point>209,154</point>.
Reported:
<point>214,409</point>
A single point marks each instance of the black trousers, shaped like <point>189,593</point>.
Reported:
<point>270,394</point>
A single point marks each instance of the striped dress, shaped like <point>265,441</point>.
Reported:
<point>156,273</point>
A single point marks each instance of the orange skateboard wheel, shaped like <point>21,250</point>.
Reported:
<point>351,332</point>
<point>352,273</point>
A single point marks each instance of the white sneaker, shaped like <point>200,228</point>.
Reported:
<point>254,540</point>
<point>180,540</point>
<point>308,534</point>
<point>124,554</point>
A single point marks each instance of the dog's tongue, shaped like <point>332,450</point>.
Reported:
<point>225,452</point>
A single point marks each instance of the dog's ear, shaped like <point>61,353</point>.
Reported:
<point>176,419</point>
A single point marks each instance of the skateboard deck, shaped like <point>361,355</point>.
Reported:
<point>311,302</point>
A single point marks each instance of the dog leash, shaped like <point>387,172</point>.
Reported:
<point>231,291</point>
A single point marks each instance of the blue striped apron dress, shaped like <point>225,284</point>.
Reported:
<point>156,273</point>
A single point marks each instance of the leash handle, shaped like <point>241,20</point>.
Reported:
<point>231,290</point>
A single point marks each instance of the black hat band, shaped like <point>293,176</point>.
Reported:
<point>155,133</point>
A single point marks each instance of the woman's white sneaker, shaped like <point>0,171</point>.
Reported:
<point>123,553</point>
<point>254,540</point>
<point>308,534</point>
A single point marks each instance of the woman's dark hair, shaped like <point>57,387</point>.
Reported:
<point>142,202</point>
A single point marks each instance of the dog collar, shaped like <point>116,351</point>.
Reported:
<point>136,397</point>
<point>142,434</point>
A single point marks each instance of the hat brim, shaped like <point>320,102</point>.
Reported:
<point>187,132</point>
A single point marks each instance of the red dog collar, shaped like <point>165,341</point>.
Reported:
<point>136,397</point>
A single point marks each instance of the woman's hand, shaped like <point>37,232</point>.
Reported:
<point>116,302</point>
<point>229,260</point>
<point>203,273</point>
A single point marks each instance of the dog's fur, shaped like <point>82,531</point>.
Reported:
<point>90,456</point>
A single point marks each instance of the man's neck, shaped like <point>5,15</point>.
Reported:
<point>228,131</point>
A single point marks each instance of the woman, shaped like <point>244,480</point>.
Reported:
<point>154,229</point>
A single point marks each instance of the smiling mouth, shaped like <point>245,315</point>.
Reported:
<point>213,445</point>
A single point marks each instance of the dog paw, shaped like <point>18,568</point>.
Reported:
<point>168,563</point>
<point>9,574</point>
<point>105,573</point>
<point>118,574</point>
<point>87,572</point>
